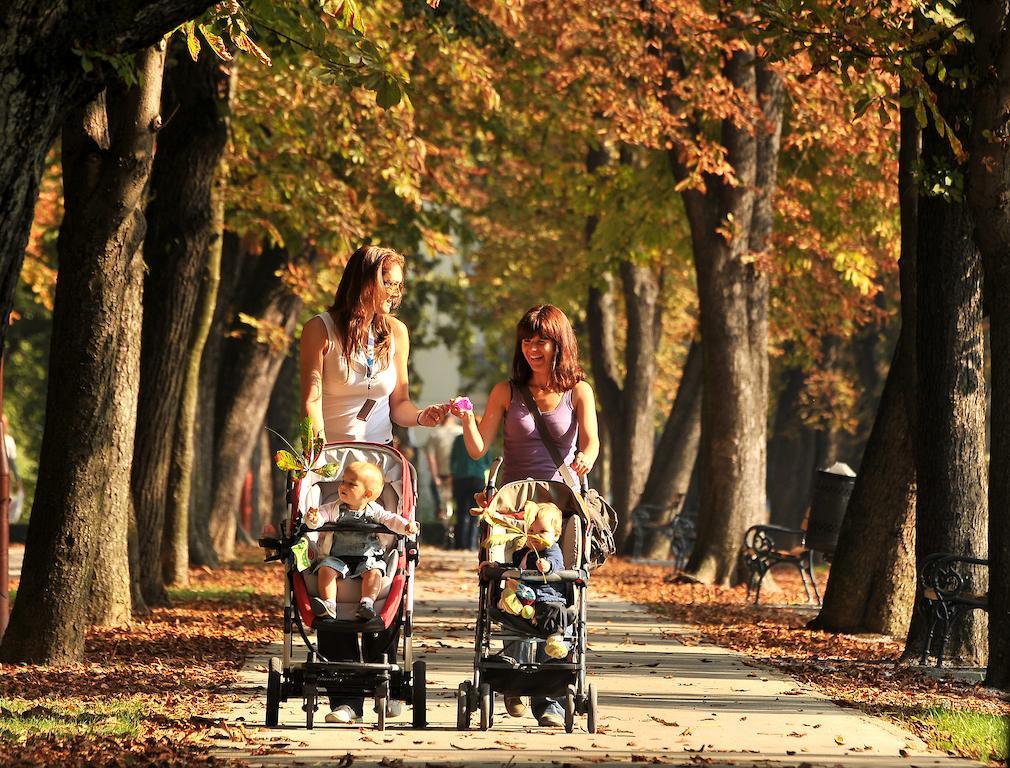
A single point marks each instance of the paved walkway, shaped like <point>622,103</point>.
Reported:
<point>663,697</point>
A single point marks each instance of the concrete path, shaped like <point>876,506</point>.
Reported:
<point>664,698</point>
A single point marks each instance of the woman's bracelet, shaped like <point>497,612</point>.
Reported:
<point>419,415</point>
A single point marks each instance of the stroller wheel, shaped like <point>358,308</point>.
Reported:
<point>381,696</point>
<point>592,711</point>
<point>419,695</point>
<point>462,706</point>
<point>309,693</point>
<point>273,693</point>
<point>486,706</point>
<point>570,710</point>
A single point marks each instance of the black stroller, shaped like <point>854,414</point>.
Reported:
<point>394,606</point>
<point>496,672</point>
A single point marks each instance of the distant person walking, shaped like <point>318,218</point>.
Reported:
<point>437,451</point>
<point>468,479</point>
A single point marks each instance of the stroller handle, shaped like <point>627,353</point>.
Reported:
<point>492,477</point>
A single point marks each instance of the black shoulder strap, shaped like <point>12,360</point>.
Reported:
<point>545,435</point>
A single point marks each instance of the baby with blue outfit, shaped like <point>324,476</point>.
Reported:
<point>354,554</point>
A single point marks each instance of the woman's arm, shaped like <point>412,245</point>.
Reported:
<point>312,348</point>
<point>478,435</point>
<point>401,410</point>
<point>584,402</point>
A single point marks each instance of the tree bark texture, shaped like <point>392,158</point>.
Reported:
<point>76,564</point>
<point>676,453</point>
<point>871,586</point>
<point>988,181</point>
<point>201,549</point>
<point>951,505</point>
<point>249,369</point>
<point>729,224</point>
<point>42,80</point>
<point>181,233</point>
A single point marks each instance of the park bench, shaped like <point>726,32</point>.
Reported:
<point>647,523</point>
<point>766,546</point>
<point>947,592</point>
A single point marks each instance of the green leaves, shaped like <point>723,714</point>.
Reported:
<point>300,463</point>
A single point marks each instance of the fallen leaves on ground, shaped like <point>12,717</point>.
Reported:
<point>176,663</point>
<point>858,670</point>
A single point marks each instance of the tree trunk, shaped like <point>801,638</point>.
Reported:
<point>871,587</point>
<point>201,549</point>
<point>988,181</point>
<point>951,513</point>
<point>733,304</point>
<point>41,81</point>
<point>250,367</point>
<point>790,455</point>
<point>180,235</point>
<point>76,563</point>
<point>676,453</point>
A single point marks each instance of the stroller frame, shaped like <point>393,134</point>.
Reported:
<point>288,678</point>
<point>494,672</point>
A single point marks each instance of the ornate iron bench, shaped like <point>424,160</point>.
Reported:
<point>765,546</point>
<point>946,594</point>
<point>680,532</point>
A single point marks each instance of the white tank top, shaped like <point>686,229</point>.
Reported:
<point>344,392</point>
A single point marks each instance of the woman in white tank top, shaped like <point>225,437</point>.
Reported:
<point>354,385</point>
<point>354,356</point>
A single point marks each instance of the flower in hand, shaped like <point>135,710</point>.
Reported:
<point>543,565</point>
<point>461,406</point>
<point>312,518</point>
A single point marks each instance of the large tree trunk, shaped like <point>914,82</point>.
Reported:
<point>676,453</point>
<point>872,582</point>
<point>988,181</point>
<point>76,564</point>
<point>41,80</point>
<point>181,230</point>
<point>250,367</point>
<point>951,512</point>
<point>733,303</point>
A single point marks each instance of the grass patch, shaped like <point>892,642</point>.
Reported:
<point>980,735</point>
<point>63,718</point>
<point>232,595</point>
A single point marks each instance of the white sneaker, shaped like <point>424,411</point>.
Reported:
<point>342,714</point>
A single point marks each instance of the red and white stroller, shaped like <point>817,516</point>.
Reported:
<point>398,676</point>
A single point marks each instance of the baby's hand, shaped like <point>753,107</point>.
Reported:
<point>543,565</point>
<point>312,518</point>
<point>413,528</point>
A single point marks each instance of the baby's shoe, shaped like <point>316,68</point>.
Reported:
<point>515,705</point>
<point>322,607</point>
<point>556,647</point>
<point>366,610</point>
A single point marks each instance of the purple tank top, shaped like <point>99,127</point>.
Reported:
<point>525,453</point>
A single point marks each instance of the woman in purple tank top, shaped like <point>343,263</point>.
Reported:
<point>546,359</point>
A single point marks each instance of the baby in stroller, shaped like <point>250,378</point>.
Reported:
<point>353,554</point>
<point>546,604</point>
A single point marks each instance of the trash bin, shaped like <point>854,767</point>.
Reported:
<point>832,489</point>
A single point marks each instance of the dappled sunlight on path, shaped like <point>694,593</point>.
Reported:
<point>664,696</point>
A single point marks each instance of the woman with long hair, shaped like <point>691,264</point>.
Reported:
<point>354,387</point>
<point>354,381</point>
<point>546,361</point>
